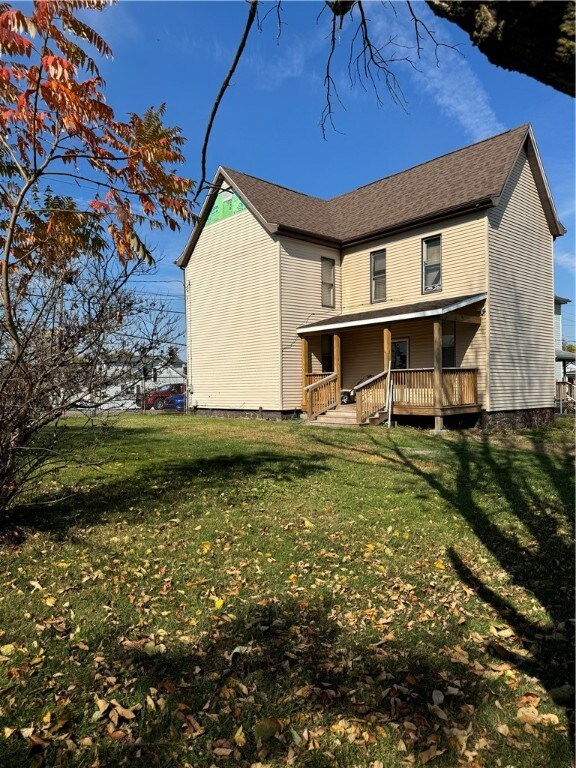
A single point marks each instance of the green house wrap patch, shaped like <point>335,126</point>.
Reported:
<point>227,203</point>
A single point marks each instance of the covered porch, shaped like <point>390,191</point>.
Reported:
<point>426,359</point>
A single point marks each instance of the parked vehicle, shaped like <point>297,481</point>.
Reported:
<point>175,403</point>
<point>156,398</point>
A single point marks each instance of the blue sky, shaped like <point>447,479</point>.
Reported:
<point>268,126</point>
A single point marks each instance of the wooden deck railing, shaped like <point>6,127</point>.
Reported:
<point>415,387</point>
<point>371,397</point>
<point>312,378</point>
<point>565,390</point>
<point>460,386</point>
<point>322,395</point>
<point>565,396</point>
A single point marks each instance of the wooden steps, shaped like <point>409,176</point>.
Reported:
<point>341,416</point>
<point>345,416</point>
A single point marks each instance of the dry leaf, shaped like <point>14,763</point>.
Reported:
<point>265,729</point>
<point>529,715</point>
<point>437,697</point>
<point>428,754</point>
<point>7,650</point>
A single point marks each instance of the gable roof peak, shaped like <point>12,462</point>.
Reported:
<point>232,173</point>
<point>524,128</point>
<point>465,180</point>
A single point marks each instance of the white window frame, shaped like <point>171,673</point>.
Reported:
<point>373,276</point>
<point>432,288</point>
<point>324,283</point>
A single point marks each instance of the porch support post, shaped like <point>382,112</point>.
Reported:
<point>305,359</point>
<point>438,418</point>
<point>387,333</point>
<point>338,363</point>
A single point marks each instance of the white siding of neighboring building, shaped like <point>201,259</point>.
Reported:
<point>521,298</point>
<point>233,319</point>
<point>301,303</point>
<point>464,251</point>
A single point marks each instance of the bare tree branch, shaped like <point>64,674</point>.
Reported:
<point>223,88</point>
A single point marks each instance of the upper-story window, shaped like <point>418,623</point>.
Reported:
<point>378,276</point>
<point>328,270</point>
<point>432,264</point>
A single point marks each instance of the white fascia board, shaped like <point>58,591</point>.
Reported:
<point>392,318</point>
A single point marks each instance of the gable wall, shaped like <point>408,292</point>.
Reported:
<point>233,320</point>
<point>464,251</point>
<point>301,302</point>
<point>521,298</point>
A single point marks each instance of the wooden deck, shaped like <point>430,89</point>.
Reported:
<point>414,393</point>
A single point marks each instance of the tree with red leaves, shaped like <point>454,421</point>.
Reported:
<point>56,128</point>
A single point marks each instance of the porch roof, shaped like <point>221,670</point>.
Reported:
<point>414,311</point>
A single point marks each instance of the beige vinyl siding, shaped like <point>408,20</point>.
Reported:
<point>521,299</point>
<point>363,349</point>
<point>301,303</point>
<point>463,264</point>
<point>233,324</point>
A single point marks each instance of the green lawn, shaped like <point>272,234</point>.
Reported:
<point>241,593</point>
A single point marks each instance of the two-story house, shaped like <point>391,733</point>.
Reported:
<point>441,274</point>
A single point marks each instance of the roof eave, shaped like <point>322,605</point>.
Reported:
<point>311,237</point>
<point>319,327</point>
<point>459,210</point>
<point>557,229</point>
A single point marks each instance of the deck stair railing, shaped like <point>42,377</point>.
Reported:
<point>372,396</point>
<point>322,395</point>
<point>566,397</point>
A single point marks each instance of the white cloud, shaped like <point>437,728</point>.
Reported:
<point>450,81</point>
<point>286,65</point>
<point>566,261</point>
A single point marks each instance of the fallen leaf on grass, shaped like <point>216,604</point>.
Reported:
<point>7,650</point>
<point>437,697</point>
<point>240,737</point>
<point>265,729</point>
<point>429,754</point>
<point>529,715</point>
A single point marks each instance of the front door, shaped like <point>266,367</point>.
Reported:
<point>400,353</point>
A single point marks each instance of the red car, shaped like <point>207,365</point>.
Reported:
<point>154,398</point>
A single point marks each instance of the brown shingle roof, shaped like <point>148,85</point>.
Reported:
<point>453,183</point>
<point>468,175</point>
<point>280,205</point>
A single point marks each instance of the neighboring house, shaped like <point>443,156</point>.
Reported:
<point>443,271</point>
<point>563,357</point>
<point>127,377</point>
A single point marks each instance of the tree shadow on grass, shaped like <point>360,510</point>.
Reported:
<point>304,688</point>
<point>531,536</point>
<point>165,482</point>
